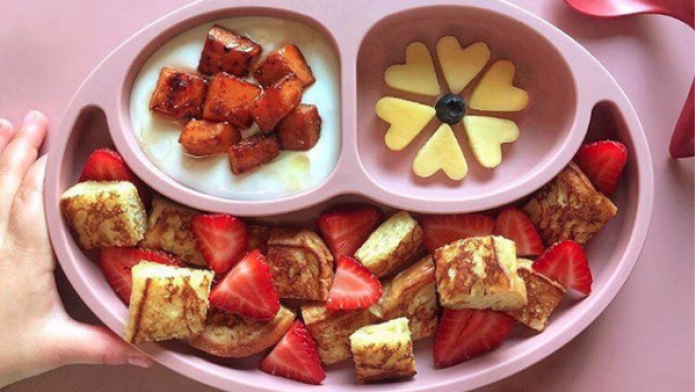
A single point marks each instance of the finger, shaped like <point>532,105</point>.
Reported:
<point>16,159</point>
<point>6,132</point>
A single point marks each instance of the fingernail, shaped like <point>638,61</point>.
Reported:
<point>4,124</point>
<point>139,361</point>
<point>31,116</point>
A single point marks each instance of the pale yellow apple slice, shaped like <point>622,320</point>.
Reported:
<point>486,135</point>
<point>417,75</point>
<point>407,120</point>
<point>495,91</point>
<point>441,152</point>
<point>460,66</point>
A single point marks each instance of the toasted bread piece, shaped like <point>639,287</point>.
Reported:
<point>179,94</point>
<point>170,231</point>
<point>543,296</point>
<point>479,273</point>
<point>276,102</point>
<point>226,51</point>
<point>104,214</point>
<point>203,138</point>
<point>411,294</point>
<point>230,99</point>
<point>228,335</point>
<point>167,302</point>
<point>383,352</point>
<point>284,61</point>
<point>569,208</point>
<point>301,264</point>
<point>391,245</point>
<point>253,152</point>
<point>300,130</point>
<point>257,238</point>
<point>331,330</point>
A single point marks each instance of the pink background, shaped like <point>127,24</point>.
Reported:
<point>644,341</point>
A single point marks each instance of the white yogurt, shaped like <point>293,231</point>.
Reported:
<point>292,172</point>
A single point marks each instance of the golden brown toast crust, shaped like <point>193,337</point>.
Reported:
<point>543,296</point>
<point>386,356</point>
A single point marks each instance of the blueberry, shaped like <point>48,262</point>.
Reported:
<point>450,108</point>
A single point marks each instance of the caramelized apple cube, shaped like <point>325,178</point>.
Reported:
<point>230,99</point>
<point>253,152</point>
<point>178,94</point>
<point>226,51</point>
<point>284,61</point>
<point>300,130</point>
<point>277,102</point>
<point>202,138</point>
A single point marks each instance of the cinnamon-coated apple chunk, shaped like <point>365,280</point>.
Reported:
<point>202,138</point>
<point>179,94</point>
<point>226,51</point>
<point>300,130</point>
<point>277,102</point>
<point>230,99</point>
<point>253,152</point>
<point>284,61</point>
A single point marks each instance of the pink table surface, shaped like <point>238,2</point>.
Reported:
<point>644,341</point>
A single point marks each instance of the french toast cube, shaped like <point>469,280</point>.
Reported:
<point>179,94</point>
<point>253,152</point>
<point>543,296</point>
<point>411,294</point>
<point>284,61</point>
<point>569,208</point>
<point>332,330</point>
<point>230,99</point>
<point>300,130</point>
<point>276,102</point>
<point>202,138</point>
<point>170,231</point>
<point>228,335</point>
<point>104,214</point>
<point>383,352</point>
<point>227,51</point>
<point>301,264</point>
<point>257,238</point>
<point>479,273</point>
<point>167,302</point>
<point>391,246</point>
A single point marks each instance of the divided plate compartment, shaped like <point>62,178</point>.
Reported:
<point>570,93</point>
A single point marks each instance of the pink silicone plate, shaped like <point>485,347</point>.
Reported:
<point>570,92</point>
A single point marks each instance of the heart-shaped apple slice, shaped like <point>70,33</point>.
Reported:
<point>486,135</point>
<point>441,152</point>
<point>407,120</point>
<point>495,91</point>
<point>460,66</point>
<point>417,75</point>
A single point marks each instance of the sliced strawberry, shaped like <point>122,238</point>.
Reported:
<point>295,357</point>
<point>566,263</point>
<point>440,230</point>
<point>603,162</point>
<point>105,164</point>
<point>116,264</point>
<point>247,289</point>
<point>515,225</point>
<point>465,333</point>
<point>222,240</point>
<point>347,227</point>
<point>354,287</point>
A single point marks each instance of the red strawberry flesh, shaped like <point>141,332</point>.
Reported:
<point>222,239</point>
<point>566,262</point>
<point>515,225</point>
<point>354,287</point>
<point>295,357</point>
<point>602,162</point>
<point>346,228</point>
<point>440,230</point>
<point>105,164</point>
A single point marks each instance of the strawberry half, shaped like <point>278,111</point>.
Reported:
<point>105,164</point>
<point>116,264</point>
<point>465,333</point>
<point>346,228</point>
<point>222,239</point>
<point>354,287</point>
<point>566,263</point>
<point>247,289</point>
<point>295,357</point>
<point>440,230</point>
<point>515,225</point>
<point>603,162</point>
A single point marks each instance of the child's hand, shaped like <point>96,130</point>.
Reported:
<point>36,334</point>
